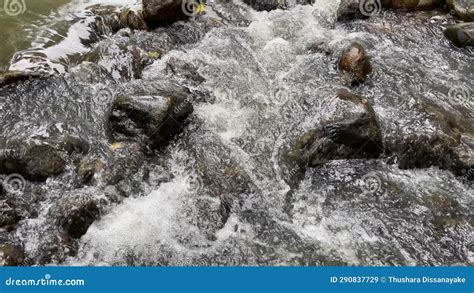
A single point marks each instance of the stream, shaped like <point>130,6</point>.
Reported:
<point>225,191</point>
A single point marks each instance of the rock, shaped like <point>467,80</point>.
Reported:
<point>351,9</point>
<point>152,119</point>
<point>463,9</point>
<point>354,134</point>
<point>359,9</point>
<point>355,63</point>
<point>44,122</point>
<point>447,145</point>
<point>124,160</point>
<point>165,12</point>
<point>183,70</point>
<point>9,77</point>
<point>77,214</point>
<point>34,159</point>
<point>132,59</point>
<point>11,255</point>
<point>8,216</point>
<point>112,18</point>
<point>412,4</point>
<point>461,34</point>
<point>267,5</point>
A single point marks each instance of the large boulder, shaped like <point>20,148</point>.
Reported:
<point>151,119</point>
<point>463,9</point>
<point>46,122</point>
<point>447,144</point>
<point>76,214</point>
<point>355,64</point>
<point>353,133</point>
<point>461,34</point>
<point>163,12</point>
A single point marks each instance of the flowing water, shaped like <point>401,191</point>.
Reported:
<point>270,88</point>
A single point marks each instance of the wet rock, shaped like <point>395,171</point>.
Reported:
<point>124,160</point>
<point>44,122</point>
<point>447,145</point>
<point>123,62</point>
<point>183,70</point>
<point>229,12</point>
<point>152,119</point>
<point>8,216</point>
<point>218,175</point>
<point>463,9</point>
<point>360,9</point>
<point>9,77</point>
<point>354,134</point>
<point>34,159</point>
<point>412,4</point>
<point>114,19</point>
<point>163,12</point>
<point>355,64</point>
<point>267,5</point>
<point>461,34</point>
<point>77,214</point>
<point>351,9</point>
<point>11,255</point>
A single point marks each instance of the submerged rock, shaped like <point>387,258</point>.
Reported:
<point>357,9</point>
<point>36,159</point>
<point>354,133</point>
<point>11,255</point>
<point>8,215</point>
<point>461,34</point>
<point>124,160</point>
<point>77,214</point>
<point>152,119</point>
<point>355,63</point>
<point>9,77</point>
<point>449,143</point>
<point>267,5</point>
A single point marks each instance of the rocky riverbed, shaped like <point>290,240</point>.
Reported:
<point>259,132</point>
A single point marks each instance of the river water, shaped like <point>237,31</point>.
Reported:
<point>270,89</point>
